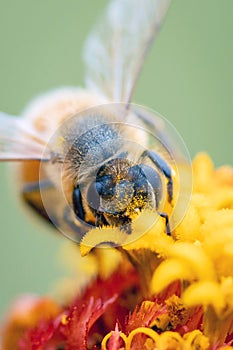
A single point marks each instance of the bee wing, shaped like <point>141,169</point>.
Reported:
<point>116,49</point>
<point>18,141</point>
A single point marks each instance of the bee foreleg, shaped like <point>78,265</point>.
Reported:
<point>100,220</point>
<point>36,186</point>
<point>79,229</point>
<point>164,167</point>
<point>127,228</point>
<point>165,216</point>
<point>78,203</point>
<point>32,196</point>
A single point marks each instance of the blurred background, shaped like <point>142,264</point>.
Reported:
<point>188,78</point>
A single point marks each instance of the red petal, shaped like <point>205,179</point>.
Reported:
<point>37,337</point>
<point>79,321</point>
<point>144,315</point>
<point>87,309</point>
<point>72,327</point>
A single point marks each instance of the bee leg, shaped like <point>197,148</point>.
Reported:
<point>100,220</point>
<point>80,230</point>
<point>164,167</point>
<point>125,224</point>
<point>32,196</point>
<point>78,204</point>
<point>127,229</point>
<point>165,216</point>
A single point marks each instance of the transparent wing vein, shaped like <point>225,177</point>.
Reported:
<point>18,141</point>
<point>116,48</point>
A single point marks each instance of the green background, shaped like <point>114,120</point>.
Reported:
<point>187,78</point>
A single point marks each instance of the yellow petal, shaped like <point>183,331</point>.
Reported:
<point>141,330</point>
<point>167,272</point>
<point>108,260</point>
<point>205,293</point>
<point>224,176</point>
<point>227,290</point>
<point>147,223</point>
<point>218,241</point>
<point>222,198</point>
<point>195,259</point>
<point>101,236</point>
<point>189,228</point>
<point>203,172</point>
<point>218,220</point>
<point>108,336</point>
<point>196,340</point>
<point>203,204</point>
<point>170,341</point>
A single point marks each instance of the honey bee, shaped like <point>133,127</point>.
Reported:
<point>89,157</point>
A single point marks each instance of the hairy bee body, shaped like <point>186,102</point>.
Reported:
<point>86,141</point>
<point>44,115</point>
<point>88,157</point>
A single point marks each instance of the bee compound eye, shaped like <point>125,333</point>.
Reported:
<point>105,186</point>
<point>153,177</point>
<point>93,195</point>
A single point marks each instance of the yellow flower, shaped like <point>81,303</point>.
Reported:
<point>152,291</point>
<point>199,254</point>
<point>202,254</point>
<point>165,341</point>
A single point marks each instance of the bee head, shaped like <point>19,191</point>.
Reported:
<point>122,190</point>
